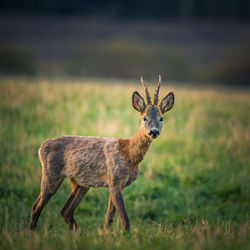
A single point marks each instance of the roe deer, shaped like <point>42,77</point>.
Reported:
<point>99,162</point>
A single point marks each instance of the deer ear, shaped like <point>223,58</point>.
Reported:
<point>138,102</point>
<point>167,102</point>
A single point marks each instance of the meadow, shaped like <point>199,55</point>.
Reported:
<point>193,189</point>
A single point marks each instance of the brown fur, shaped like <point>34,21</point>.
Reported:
<point>94,162</point>
<point>135,148</point>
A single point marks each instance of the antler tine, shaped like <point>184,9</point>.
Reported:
<point>156,95</point>
<point>146,90</point>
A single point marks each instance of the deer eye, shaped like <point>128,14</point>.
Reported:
<point>145,119</point>
<point>161,119</point>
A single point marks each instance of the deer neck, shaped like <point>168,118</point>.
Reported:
<point>135,148</point>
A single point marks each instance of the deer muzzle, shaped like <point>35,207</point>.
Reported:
<point>154,133</point>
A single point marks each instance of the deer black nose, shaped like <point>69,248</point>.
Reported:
<point>154,133</point>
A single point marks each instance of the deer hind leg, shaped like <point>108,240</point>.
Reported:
<point>70,205</point>
<point>110,214</point>
<point>48,188</point>
<point>70,198</point>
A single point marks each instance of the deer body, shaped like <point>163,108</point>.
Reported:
<point>110,159</point>
<point>97,162</point>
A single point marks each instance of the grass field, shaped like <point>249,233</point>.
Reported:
<point>193,190</point>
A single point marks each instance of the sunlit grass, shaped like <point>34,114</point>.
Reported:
<point>193,188</point>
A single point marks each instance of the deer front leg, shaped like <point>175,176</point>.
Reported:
<point>110,214</point>
<point>116,198</point>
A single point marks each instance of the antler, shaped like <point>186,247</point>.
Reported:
<point>146,90</point>
<point>156,95</point>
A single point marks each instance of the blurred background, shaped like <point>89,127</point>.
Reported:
<point>186,40</point>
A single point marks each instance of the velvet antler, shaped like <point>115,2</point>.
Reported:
<point>146,91</point>
<point>156,95</point>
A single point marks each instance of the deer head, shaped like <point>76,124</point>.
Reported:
<point>152,114</point>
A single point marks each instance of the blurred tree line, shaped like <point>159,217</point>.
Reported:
<point>139,9</point>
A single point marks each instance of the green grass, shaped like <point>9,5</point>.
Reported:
<point>193,190</point>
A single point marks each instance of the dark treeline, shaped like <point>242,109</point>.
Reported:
<point>139,9</point>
